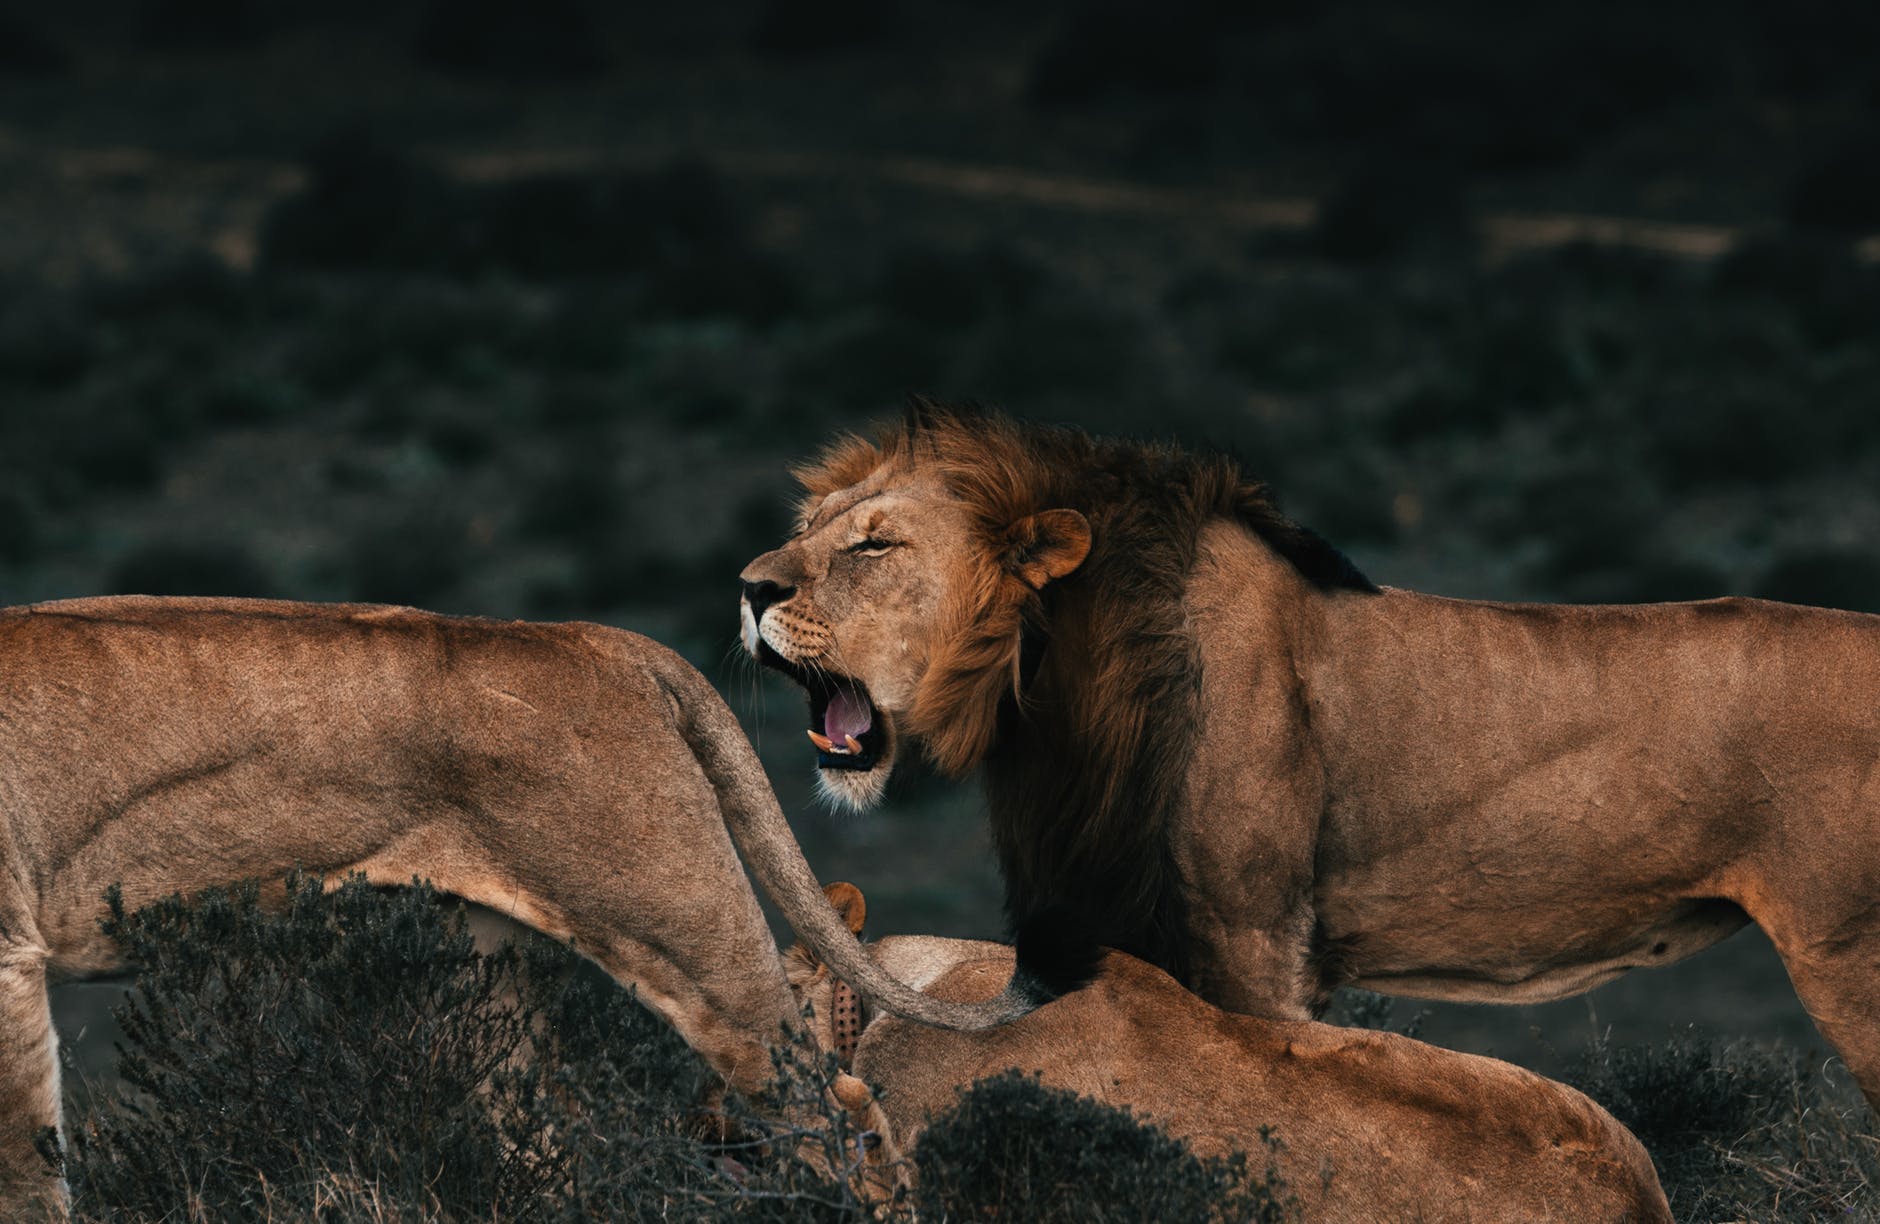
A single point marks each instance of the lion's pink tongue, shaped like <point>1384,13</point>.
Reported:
<point>847,715</point>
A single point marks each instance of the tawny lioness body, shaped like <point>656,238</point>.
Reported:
<point>1202,730</point>
<point>1372,1126</point>
<point>577,778</point>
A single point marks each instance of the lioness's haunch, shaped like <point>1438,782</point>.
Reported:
<point>1202,730</point>
<point>577,778</point>
<point>1373,1126</point>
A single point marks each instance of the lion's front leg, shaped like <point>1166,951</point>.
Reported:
<point>1249,895</point>
<point>1266,969</point>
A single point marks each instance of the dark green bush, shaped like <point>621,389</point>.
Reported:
<point>353,1056</point>
<point>1740,1132</point>
<point>357,1040</point>
<point>1013,1149</point>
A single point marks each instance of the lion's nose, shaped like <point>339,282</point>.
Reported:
<point>761,595</point>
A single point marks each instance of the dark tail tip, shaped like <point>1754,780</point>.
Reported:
<point>1056,954</point>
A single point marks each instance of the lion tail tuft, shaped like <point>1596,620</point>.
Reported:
<point>1056,954</point>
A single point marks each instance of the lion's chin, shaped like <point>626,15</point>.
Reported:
<point>856,790</point>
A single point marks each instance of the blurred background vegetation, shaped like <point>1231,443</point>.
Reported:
<point>522,310</point>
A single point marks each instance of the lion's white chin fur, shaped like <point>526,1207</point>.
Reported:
<point>857,790</point>
<point>847,789</point>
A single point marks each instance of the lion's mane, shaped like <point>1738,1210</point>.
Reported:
<point>1080,699</point>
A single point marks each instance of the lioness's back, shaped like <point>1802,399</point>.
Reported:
<point>130,642</point>
<point>239,734</point>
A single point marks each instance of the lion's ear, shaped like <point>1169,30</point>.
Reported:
<point>847,900</point>
<point>1048,545</point>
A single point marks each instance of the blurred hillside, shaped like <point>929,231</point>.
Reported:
<point>522,310</point>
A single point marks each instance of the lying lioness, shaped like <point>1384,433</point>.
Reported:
<point>1372,1126</point>
<point>1208,735</point>
<point>577,778</point>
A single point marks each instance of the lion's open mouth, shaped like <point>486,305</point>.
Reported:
<point>844,725</point>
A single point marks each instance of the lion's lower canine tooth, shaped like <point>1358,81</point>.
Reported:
<point>853,746</point>
<point>822,741</point>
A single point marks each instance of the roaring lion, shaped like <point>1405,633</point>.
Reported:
<point>1372,1126</point>
<point>1206,733</point>
<point>578,778</point>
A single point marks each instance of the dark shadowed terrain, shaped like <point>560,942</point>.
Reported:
<point>527,315</point>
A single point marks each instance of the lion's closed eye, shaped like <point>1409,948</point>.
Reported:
<point>873,547</point>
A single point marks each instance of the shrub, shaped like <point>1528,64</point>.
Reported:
<point>1739,1132</point>
<point>1015,1149</point>
<point>353,1057</point>
<point>343,1042</point>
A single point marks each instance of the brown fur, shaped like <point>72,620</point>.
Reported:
<point>1373,1126</point>
<point>1239,759</point>
<point>577,778</point>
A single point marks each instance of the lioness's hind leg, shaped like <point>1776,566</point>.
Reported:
<point>29,1087</point>
<point>714,1016</point>
<point>706,964</point>
<point>1837,978</point>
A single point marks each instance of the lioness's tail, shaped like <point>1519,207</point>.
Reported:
<point>758,826</point>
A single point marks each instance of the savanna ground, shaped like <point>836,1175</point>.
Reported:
<point>526,317</point>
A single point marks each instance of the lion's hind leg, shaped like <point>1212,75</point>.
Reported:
<point>29,1085</point>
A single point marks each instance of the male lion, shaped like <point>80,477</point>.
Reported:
<point>1372,1126</point>
<point>1207,734</point>
<point>578,778</point>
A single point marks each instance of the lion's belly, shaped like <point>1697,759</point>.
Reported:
<point>1497,957</point>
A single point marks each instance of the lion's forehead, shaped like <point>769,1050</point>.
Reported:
<point>887,491</point>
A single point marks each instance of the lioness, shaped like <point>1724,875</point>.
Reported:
<point>577,778</point>
<point>1373,1126</point>
<point>1204,731</point>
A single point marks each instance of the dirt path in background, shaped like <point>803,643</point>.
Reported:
<point>108,206</point>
